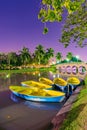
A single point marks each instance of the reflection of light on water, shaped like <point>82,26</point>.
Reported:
<point>33,73</point>
<point>8,75</point>
<point>39,74</point>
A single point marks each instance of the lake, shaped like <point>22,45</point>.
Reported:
<point>19,114</point>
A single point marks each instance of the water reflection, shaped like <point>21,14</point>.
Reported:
<point>37,105</point>
<point>15,79</point>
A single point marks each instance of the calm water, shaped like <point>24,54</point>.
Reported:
<point>36,116</point>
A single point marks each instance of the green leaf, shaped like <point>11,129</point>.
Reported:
<point>45,31</point>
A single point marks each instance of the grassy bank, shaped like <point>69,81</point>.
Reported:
<point>77,117</point>
<point>28,70</point>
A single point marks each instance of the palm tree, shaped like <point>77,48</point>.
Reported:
<point>69,56</point>
<point>39,53</point>
<point>3,60</point>
<point>48,55</point>
<point>25,55</point>
<point>50,52</point>
<point>59,56</point>
<point>12,59</point>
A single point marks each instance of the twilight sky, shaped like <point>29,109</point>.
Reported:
<point>19,26</point>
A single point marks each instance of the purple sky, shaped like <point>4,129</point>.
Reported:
<point>19,26</point>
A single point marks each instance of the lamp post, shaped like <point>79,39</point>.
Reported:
<point>67,60</point>
<point>77,57</point>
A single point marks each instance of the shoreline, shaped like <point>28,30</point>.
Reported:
<point>62,114</point>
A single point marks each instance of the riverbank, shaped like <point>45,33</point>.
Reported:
<point>73,115</point>
<point>28,70</point>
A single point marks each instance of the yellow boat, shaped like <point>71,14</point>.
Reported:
<point>36,94</point>
<point>73,81</point>
<point>36,84</point>
<point>60,82</point>
<point>46,81</point>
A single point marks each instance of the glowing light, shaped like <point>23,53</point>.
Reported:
<point>77,56</point>
<point>54,76</point>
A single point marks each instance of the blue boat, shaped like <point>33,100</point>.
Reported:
<point>36,94</point>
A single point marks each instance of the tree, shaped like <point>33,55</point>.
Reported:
<point>25,55</point>
<point>39,53</point>
<point>59,56</point>
<point>12,58</point>
<point>3,60</point>
<point>49,53</point>
<point>69,56</point>
<point>52,10</point>
<point>75,28</point>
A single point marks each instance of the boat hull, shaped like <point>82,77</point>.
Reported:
<point>39,98</point>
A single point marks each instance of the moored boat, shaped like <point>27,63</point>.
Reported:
<point>36,94</point>
<point>61,83</point>
<point>36,84</point>
<point>57,84</point>
<point>46,81</point>
<point>74,81</point>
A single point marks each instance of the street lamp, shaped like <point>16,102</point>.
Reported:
<point>77,57</point>
<point>67,60</point>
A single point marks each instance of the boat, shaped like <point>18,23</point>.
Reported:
<point>60,83</point>
<point>36,94</point>
<point>74,81</point>
<point>57,83</point>
<point>46,81</point>
<point>40,85</point>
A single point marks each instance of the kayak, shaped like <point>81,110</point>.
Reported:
<point>36,94</point>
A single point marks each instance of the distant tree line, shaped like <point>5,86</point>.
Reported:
<point>24,57</point>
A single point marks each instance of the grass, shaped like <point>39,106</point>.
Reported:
<point>27,70</point>
<point>77,117</point>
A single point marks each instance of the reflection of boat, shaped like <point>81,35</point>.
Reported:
<point>37,105</point>
<point>35,94</point>
<point>42,106</point>
<point>35,84</point>
<point>14,98</point>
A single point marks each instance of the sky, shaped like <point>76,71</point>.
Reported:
<point>19,26</point>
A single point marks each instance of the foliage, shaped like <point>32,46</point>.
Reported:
<point>39,53</point>
<point>25,55</point>
<point>51,10</point>
<point>59,56</point>
<point>69,56</point>
<point>75,28</point>
<point>45,30</point>
<point>77,117</point>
